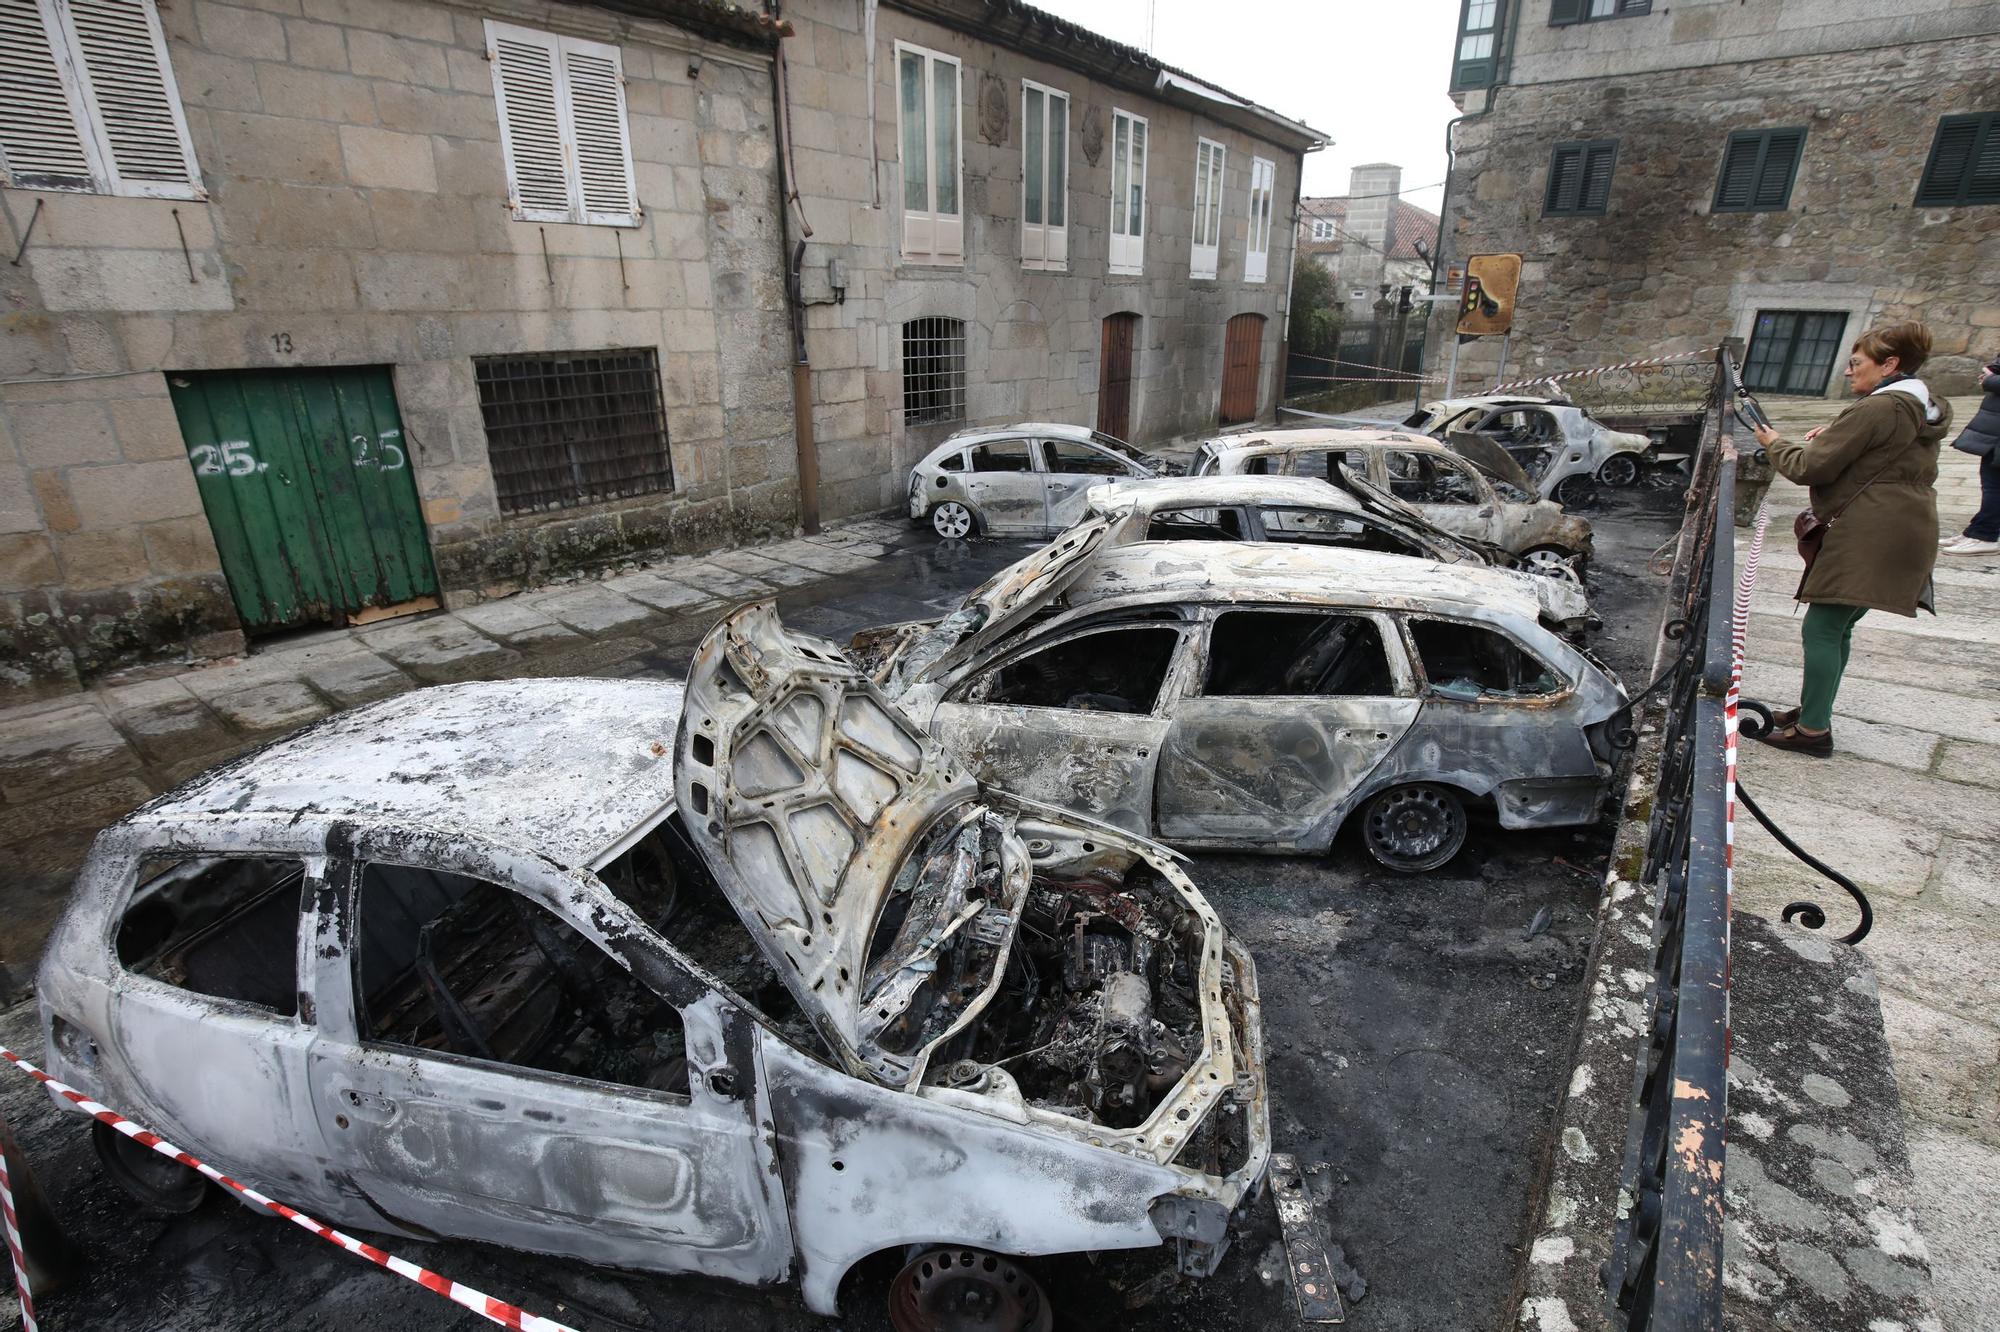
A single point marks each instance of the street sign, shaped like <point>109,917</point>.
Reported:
<point>1486,304</point>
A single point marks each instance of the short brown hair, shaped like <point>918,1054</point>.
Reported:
<point>1909,342</point>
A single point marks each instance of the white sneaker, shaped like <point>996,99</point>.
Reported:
<point>1968,546</point>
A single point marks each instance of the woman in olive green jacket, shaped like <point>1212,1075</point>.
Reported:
<point>1872,471</point>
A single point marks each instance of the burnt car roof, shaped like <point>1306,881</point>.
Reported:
<point>1232,571</point>
<point>565,768</point>
<point>1320,438</point>
<point>1154,494</point>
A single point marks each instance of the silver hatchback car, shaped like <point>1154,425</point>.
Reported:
<point>1018,480</point>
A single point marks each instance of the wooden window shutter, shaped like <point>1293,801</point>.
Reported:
<point>1739,173</point>
<point>133,103</point>
<point>1964,165</point>
<point>527,85</point>
<point>596,80</point>
<point>1565,176</point>
<point>1567,11</point>
<point>38,128</point>
<point>1780,163</point>
<point>1598,160</point>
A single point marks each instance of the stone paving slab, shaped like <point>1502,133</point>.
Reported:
<point>60,749</point>
<point>591,608</point>
<point>515,621</point>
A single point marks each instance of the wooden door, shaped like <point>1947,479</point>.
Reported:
<point>1114,375</point>
<point>305,475</point>
<point>1242,343</point>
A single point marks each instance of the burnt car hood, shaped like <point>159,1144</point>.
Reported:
<point>1399,516</point>
<point>1490,458</point>
<point>999,605</point>
<point>849,844</point>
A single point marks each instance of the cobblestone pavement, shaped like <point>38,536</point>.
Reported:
<point>1906,807</point>
<point>70,766</point>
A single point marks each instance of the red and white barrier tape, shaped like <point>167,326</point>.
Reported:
<point>1739,624</point>
<point>1596,370</point>
<point>495,1311</point>
<point>14,1250</point>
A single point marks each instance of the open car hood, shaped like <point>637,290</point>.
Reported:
<point>1000,604</point>
<point>1490,458</point>
<point>856,853</point>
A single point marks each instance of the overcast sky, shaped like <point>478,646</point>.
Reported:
<point>1372,76</point>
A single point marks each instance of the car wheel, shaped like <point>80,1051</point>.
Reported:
<point>1414,828</point>
<point>157,1182</point>
<point>1551,562</point>
<point>952,521</point>
<point>945,1290</point>
<point>1575,492</point>
<point>1619,471</point>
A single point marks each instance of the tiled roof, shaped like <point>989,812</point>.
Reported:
<point>1408,223</point>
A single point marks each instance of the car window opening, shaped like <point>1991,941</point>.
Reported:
<point>1007,455</point>
<point>1324,527</point>
<point>1465,661</point>
<point>1118,670</point>
<point>227,928</point>
<point>1416,478</point>
<point>1059,456</point>
<point>1195,525</point>
<point>1258,654</point>
<point>952,462</point>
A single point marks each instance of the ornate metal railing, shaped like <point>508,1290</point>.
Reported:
<point>1665,1270</point>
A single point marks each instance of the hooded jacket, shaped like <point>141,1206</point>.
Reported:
<point>1879,459</point>
<point>1982,432</point>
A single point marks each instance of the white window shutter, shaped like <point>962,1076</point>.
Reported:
<point>135,108</point>
<point>39,142</point>
<point>527,84</point>
<point>596,81</point>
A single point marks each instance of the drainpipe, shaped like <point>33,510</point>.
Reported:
<point>1291,270</point>
<point>788,200</point>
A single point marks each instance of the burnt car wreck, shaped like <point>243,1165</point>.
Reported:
<point>752,979</point>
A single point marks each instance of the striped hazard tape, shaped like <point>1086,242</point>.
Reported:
<point>1598,370</point>
<point>14,1253</point>
<point>496,1311</point>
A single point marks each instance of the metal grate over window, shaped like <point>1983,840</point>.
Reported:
<point>567,428</point>
<point>933,371</point>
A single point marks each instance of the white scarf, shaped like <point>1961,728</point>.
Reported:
<point>1916,389</point>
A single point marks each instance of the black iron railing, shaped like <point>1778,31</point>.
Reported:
<point>1665,1270</point>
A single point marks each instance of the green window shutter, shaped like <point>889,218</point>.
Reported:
<point>1562,12</point>
<point>1964,165</point>
<point>1565,179</point>
<point>1779,166</point>
<point>1580,178</point>
<point>1739,173</point>
<point>1758,169</point>
<point>1597,163</point>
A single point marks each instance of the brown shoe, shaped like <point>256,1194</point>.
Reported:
<point>1796,740</point>
<point>1784,719</point>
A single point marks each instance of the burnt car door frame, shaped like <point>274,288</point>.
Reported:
<point>1100,764</point>
<point>992,493</point>
<point>1064,491</point>
<point>646,1170</point>
<point>1278,736</point>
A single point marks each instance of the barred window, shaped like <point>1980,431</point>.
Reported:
<point>933,371</point>
<point>568,428</point>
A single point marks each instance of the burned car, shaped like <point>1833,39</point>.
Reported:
<point>1018,480</point>
<point>1471,488</point>
<point>1295,511</point>
<point>750,979</point>
<point>1257,697</point>
<point>1565,450</point>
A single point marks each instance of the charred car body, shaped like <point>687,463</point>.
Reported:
<point>1018,480</point>
<point>1256,697</point>
<point>753,981</point>
<point>1296,511</point>
<point>1471,489</point>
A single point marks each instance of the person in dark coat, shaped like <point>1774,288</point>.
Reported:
<point>1982,438</point>
<point>1872,472</point>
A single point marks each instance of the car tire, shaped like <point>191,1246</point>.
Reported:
<point>953,520</point>
<point>1551,562</point>
<point>1414,828</point>
<point>1575,492</point>
<point>156,1182</point>
<point>1620,471</point>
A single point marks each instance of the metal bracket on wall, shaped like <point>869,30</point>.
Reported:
<point>33,218</point>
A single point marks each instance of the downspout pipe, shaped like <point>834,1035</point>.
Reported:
<point>1291,272</point>
<point>806,449</point>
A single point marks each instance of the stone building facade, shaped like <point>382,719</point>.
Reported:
<point>1368,237</point>
<point>351,206</point>
<point>1769,171</point>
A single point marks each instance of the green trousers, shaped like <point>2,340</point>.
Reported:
<point>1828,634</point>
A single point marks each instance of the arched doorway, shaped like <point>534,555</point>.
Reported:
<point>1114,374</point>
<point>1242,343</point>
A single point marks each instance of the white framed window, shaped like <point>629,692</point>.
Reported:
<point>928,133</point>
<point>1208,161</point>
<point>1044,177</point>
<point>1257,243</point>
<point>1128,192</point>
<point>88,102</point>
<point>1322,229</point>
<point>563,131</point>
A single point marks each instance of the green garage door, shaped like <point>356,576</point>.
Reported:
<point>306,478</point>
